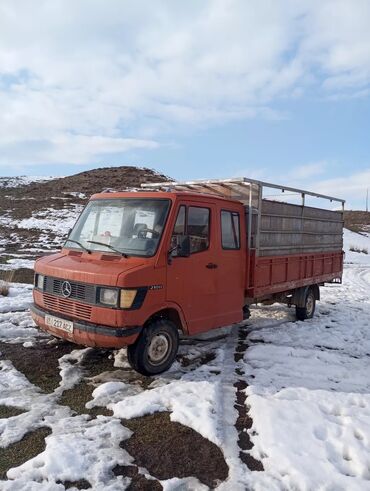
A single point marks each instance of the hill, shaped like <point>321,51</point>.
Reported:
<point>36,213</point>
<point>357,221</point>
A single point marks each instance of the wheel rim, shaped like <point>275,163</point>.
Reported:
<point>159,348</point>
<point>310,304</point>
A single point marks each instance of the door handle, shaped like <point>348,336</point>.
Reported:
<point>211,266</point>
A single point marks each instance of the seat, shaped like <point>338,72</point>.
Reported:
<point>140,230</point>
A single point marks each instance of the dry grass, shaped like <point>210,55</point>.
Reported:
<point>362,250</point>
<point>4,288</point>
<point>357,221</point>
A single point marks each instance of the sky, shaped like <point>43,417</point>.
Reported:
<point>277,90</point>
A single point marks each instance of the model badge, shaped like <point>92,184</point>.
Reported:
<point>66,289</point>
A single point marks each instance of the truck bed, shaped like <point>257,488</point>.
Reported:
<point>292,246</point>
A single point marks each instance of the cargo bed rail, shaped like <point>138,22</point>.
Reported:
<point>239,188</point>
<point>263,215</point>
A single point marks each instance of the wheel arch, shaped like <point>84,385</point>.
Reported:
<point>170,313</point>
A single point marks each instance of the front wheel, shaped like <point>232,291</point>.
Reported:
<point>306,312</point>
<point>155,349</point>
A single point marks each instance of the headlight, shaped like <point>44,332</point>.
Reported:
<point>127,298</point>
<point>40,281</point>
<point>108,296</point>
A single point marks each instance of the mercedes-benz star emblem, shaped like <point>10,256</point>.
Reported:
<point>66,289</point>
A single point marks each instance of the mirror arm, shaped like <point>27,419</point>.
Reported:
<point>169,255</point>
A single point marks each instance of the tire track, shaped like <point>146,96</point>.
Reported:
<point>244,422</point>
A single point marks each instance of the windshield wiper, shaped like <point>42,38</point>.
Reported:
<point>109,246</point>
<point>79,243</point>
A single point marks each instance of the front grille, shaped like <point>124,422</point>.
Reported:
<point>67,306</point>
<point>80,291</point>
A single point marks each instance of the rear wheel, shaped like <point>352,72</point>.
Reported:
<point>155,349</point>
<point>307,312</point>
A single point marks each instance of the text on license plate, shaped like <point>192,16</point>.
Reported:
<point>62,324</point>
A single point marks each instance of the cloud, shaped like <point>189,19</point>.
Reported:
<point>352,185</point>
<point>79,71</point>
<point>71,149</point>
<point>310,170</point>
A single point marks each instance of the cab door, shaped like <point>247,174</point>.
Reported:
<point>192,282</point>
<point>231,263</point>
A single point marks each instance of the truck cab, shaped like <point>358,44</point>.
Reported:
<point>140,267</point>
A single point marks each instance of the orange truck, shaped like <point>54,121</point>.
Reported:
<point>140,266</point>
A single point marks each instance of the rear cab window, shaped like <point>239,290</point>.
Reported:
<point>230,230</point>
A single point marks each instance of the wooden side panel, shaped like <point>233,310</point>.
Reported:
<point>291,229</point>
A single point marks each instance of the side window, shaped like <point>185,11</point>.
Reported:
<point>230,230</point>
<point>198,228</point>
<point>195,224</point>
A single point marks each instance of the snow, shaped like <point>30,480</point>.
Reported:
<point>77,448</point>
<point>75,194</point>
<point>308,394</point>
<point>49,220</point>
<point>309,389</point>
<point>353,240</point>
<point>313,438</point>
<point>18,298</point>
<point>16,324</point>
<point>182,399</point>
<point>17,263</point>
<point>15,182</point>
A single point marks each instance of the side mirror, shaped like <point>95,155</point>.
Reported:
<point>181,249</point>
<point>183,246</point>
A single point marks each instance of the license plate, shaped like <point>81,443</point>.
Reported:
<point>58,323</point>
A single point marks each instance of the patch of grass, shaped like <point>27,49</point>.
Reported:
<point>97,361</point>
<point>80,484</point>
<point>138,481</point>
<point>39,363</point>
<point>4,259</point>
<point>19,452</point>
<point>10,411</point>
<point>169,449</point>
<point>77,397</point>
<point>360,250</point>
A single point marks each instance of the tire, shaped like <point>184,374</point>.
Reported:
<point>307,312</point>
<point>246,312</point>
<point>155,349</point>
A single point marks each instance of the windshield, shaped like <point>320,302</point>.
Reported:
<point>127,226</point>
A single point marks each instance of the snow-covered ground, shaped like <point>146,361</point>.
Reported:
<point>308,394</point>
<point>15,182</point>
<point>57,221</point>
<point>356,247</point>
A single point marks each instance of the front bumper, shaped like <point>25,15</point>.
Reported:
<point>86,333</point>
